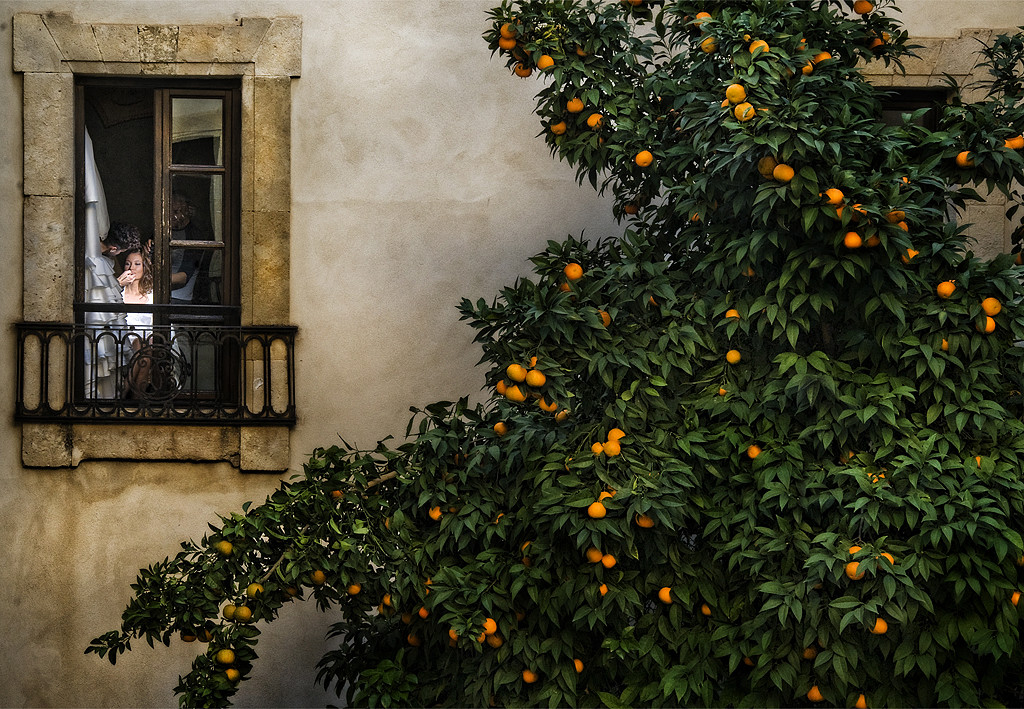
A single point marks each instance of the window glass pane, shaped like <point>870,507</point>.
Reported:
<point>197,131</point>
<point>196,215</point>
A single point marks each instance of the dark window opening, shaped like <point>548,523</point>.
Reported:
<point>899,101</point>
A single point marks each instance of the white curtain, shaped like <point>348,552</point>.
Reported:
<point>100,286</point>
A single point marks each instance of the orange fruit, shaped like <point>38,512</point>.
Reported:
<point>863,7</point>
<point>880,627</point>
<point>945,289</point>
<point>597,448</point>
<point>766,166</point>
<point>834,196</point>
<point>700,17</point>
<point>945,345</point>
<point>753,451</point>
<point>904,226</point>
<point>783,172</point>
<point>722,391</point>
<point>616,434</point>
<point>594,120</point>
<point>603,588</point>
<point>759,46</point>
<point>423,612</point>
<point>810,653</point>
<point>852,571</point>
<point>708,45</point>
<point>644,158</point>
<point>558,128</point>
<point>807,68</point>
<point>187,637</point>
<point>990,326</point>
<point>354,589</point>
<point>605,495</point>
<point>732,313</point>
<point>562,415</point>
<point>991,306</point>
<point>318,578</point>
<point>644,521</point>
<point>895,216</point>
<point>872,241</point>
<point>665,595</point>
<point>545,62</point>
<point>516,372</point>
<point>705,609</point>
<point>607,561</point>
<point>453,634</point>
<point>594,555</point>
<point>495,641</point>
<point>744,112</point>
<point>910,254</point>
<point>888,557</point>
<point>606,319</point>
<point>735,93</point>
<point>507,43</point>
<point>386,601</point>
<point>733,356</point>
<point>821,57</point>
<point>228,611</point>
<point>413,639</point>
<point>225,656</point>
<point>573,271</point>
<point>611,448</point>
<point>508,30</point>
<point>435,513</point>
<point>814,694</point>
<point>965,159</point>
<point>490,626</point>
<point>223,547</point>
<point>574,105</point>
<point>529,676</point>
<point>501,428</point>
<point>578,664</point>
<point>232,674</point>
<point>862,702</point>
<point>597,510</point>
<point>1015,597</point>
<point>852,240</point>
<point>535,378</point>
<point>522,70</point>
<point>545,405</point>
<point>630,208</point>
<point>1016,143</point>
<point>514,393</point>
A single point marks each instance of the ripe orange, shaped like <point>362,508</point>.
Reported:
<point>318,578</point>
<point>895,216</point>
<point>225,656</point>
<point>616,434</point>
<point>354,589</point>
<point>852,240</point>
<point>759,46</point>
<point>945,289</point>
<point>597,448</point>
<point>700,17</point>
<point>545,405</point>
<point>708,45</point>
<point>594,120</point>
<point>507,43</point>
<point>558,128</point>
<point>945,345</point>
<point>735,93</point>
<point>594,555</point>
<point>990,326</point>
<point>232,674</point>
<point>545,62</point>
<point>574,105</point>
<point>253,590</point>
<point>605,495</point>
<point>223,547</point>
<point>435,513</point>
<point>597,510</point>
<point>501,428</point>
<point>807,68</point>
<point>644,158</point>
<point>423,612</point>
<point>608,561</point>
<point>508,30</point>
<point>880,627</point>
<point>1016,143</point>
<point>814,694</point>
<point>413,639</point>
<point>603,589</point>
<point>722,391</point>
<point>888,557</point>
<point>733,356</point>
<point>495,641</point>
<point>705,609</point>
<point>1015,597</point>
<point>810,653</point>
<point>862,702</point>
<point>453,634</point>
<point>744,112</point>
<point>863,7</point>
<point>834,196</point>
<point>522,70</point>
<point>514,393</point>
<point>529,676</point>
<point>783,172</point>
<point>732,313</point>
<point>753,451</point>
<point>965,159</point>
<point>911,253</point>
<point>611,448</point>
<point>991,306</point>
<point>766,166</point>
<point>490,626</point>
<point>821,57</point>
<point>665,595</point>
<point>578,664</point>
<point>606,319</point>
<point>535,377</point>
<point>852,571</point>
<point>644,521</point>
<point>516,372</point>
<point>562,415</point>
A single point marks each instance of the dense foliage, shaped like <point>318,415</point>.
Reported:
<point>764,449</point>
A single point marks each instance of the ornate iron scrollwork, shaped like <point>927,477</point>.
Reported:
<point>156,373</point>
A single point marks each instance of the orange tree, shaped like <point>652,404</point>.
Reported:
<point>763,449</point>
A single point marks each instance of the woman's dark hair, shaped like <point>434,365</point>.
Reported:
<point>146,282</point>
<point>124,236</point>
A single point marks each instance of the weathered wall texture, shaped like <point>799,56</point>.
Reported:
<point>416,180</point>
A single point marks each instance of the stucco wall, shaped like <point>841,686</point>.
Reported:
<point>416,180</point>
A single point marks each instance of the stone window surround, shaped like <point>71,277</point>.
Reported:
<point>265,54</point>
<point>959,57</point>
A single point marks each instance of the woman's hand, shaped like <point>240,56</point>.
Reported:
<point>125,278</point>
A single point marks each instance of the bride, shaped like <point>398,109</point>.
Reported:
<point>137,285</point>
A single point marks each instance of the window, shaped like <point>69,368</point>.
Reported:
<point>907,100</point>
<point>158,168</point>
<point>172,114</point>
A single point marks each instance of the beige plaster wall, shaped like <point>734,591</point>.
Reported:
<point>416,180</point>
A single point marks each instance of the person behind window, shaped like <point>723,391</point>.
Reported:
<point>120,238</point>
<point>184,262</point>
<point>137,282</point>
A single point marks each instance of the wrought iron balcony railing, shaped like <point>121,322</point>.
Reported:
<point>177,373</point>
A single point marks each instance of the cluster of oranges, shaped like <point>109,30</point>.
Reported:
<point>611,446</point>
<point>990,306</point>
<point>597,509</point>
<point>521,383</point>
<point>965,158</point>
<point>852,569</point>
